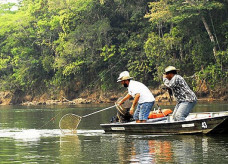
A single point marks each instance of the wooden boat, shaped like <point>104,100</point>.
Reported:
<point>195,123</point>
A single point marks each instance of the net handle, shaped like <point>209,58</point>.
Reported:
<point>98,111</point>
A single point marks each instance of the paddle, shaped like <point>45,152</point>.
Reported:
<point>69,122</point>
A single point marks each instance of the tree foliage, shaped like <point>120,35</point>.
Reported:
<point>73,45</point>
<point>189,33</point>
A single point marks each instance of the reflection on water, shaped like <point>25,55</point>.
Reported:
<point>141,152</point>
<point>171,149</point>
<point>144,150</point>
<point>161,150</point>
<point>23,141</point>
<point>94,146</point>
<point>70,148</point>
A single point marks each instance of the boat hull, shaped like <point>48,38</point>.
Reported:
<point>215,125</point>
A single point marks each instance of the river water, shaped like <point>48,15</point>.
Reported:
<point>31,135</point>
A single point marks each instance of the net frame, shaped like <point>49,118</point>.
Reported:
<point>69,122</point>
<point>73,123</point>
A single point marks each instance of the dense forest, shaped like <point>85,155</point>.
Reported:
<point>71,46</point>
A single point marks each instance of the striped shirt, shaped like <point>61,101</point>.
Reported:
<point>180,88</point>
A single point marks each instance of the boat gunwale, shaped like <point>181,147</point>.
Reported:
<point>171,122</point>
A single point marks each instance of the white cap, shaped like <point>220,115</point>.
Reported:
<point>124,76</point>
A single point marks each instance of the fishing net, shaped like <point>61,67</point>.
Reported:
<point>69,123</point>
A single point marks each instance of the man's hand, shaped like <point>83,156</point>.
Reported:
<point>124,99</point>
<point>119,103</point>
<point>132,110</point>
<point>135,101</point>
<point>164,76</point>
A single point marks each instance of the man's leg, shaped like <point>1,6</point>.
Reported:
<point>175,111</point>
<point>145,111</point>
<point>183,110</point>
<point>136,113</point>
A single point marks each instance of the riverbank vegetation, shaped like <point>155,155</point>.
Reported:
<point>78,47</point>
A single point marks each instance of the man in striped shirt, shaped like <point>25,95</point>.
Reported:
<point>185,97</point>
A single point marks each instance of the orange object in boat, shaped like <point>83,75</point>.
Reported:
<point>159,114</point>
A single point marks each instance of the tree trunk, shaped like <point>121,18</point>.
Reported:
<point>207,28</point>
<point>210,35</point>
